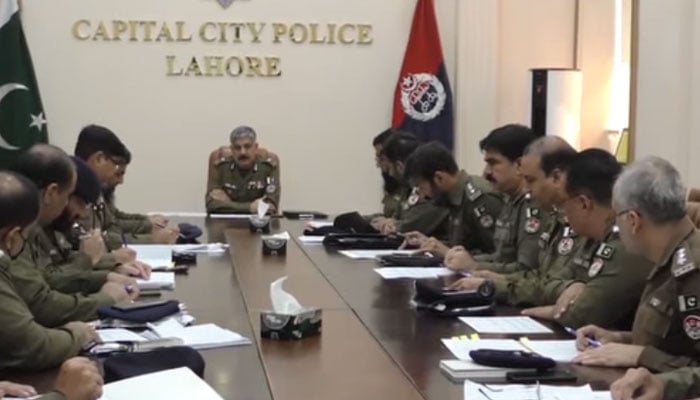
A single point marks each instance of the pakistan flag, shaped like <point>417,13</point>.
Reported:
<point>22,120</point>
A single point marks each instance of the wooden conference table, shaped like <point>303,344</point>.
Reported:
<point>373,345</point>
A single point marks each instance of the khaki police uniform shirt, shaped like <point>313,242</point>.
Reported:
<point>682,383</point>
<point>66,270</point>
<point>515,237</point>
<point>102,216</point>
<point>50,307</point>
<point>244,186</point>
<point>418,214</point>
<point>391,202</point>
<point>614,280</point>
<point>558,243</point>
<point>668,319</point>
<point>24,343</point>
<point>473,207</point>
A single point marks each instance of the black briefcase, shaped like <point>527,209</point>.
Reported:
<point>433,297</point>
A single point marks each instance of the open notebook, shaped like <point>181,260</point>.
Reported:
<point>205,336</point>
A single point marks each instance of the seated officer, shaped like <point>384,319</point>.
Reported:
<point>244,180</point>
<point>518,226</point>
<point>649,202</point>
<point>224,153</point>
<point>471,202</point>
<point>24,343</point>
<point>392,188</point>
<point>414,213</point>
<point>53,172</point>
<point>83,271</point>
<point>108,157</point>
<point>602,271</point>
<point>544,166</point>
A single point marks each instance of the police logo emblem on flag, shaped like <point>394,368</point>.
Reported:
<point>422,96</point>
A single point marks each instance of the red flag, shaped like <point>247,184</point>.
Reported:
<point>423,98</point>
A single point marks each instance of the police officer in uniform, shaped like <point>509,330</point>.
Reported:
<point>544,167</point>
<point>649,201</point>
<point>519,224</point>
<point>393,190</point>
<point>472,203</point>
<point>84,271</point>
<point>24,344</point>
<point>245,179</point>
<point>602,272</point>
<point>414,213</point>
<point>53,172</point>
<point>108,157</point>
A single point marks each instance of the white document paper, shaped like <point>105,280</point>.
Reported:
<point>180,383</point>
<point>319,224</point>
<point>601,395</point>
<point>475,391</point>
<point>461,348</point>
<point>154,255</point>
<point>119,335</point>
<point>558,350</point>
<point>231,216</point>
<point>373,254</point>
<point>205,336</point>
<point>505,325</point>
<point>413,272</point>
<point>311,239</point>
<point>158,280</point>
<point>164,251</point>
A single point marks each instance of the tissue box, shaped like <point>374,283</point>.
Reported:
<point>277,326</point>
<point>258,224</point>
<point>274,247</point>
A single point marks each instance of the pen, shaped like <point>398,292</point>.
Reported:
<point>591,342</point>
<point>539,393</point>
<point>123,240</point>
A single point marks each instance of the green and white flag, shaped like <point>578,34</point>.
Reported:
<point>22,119</point>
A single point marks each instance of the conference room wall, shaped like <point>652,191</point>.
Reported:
<point>668,84</point>
<point>320,116</point>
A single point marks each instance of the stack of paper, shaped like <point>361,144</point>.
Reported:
<point>373,254</point>
<point>180,383</point>
<point>158,280</point>
<point>505,325</point>
<point>476,391</point>
<point>206,336</point>
<point>311,239</point>
<point>119,335</point>
<point>558,350</point>
<point>154,255</point>
<point>413,272</point>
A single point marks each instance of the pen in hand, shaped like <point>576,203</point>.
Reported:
<point>591,342</point>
